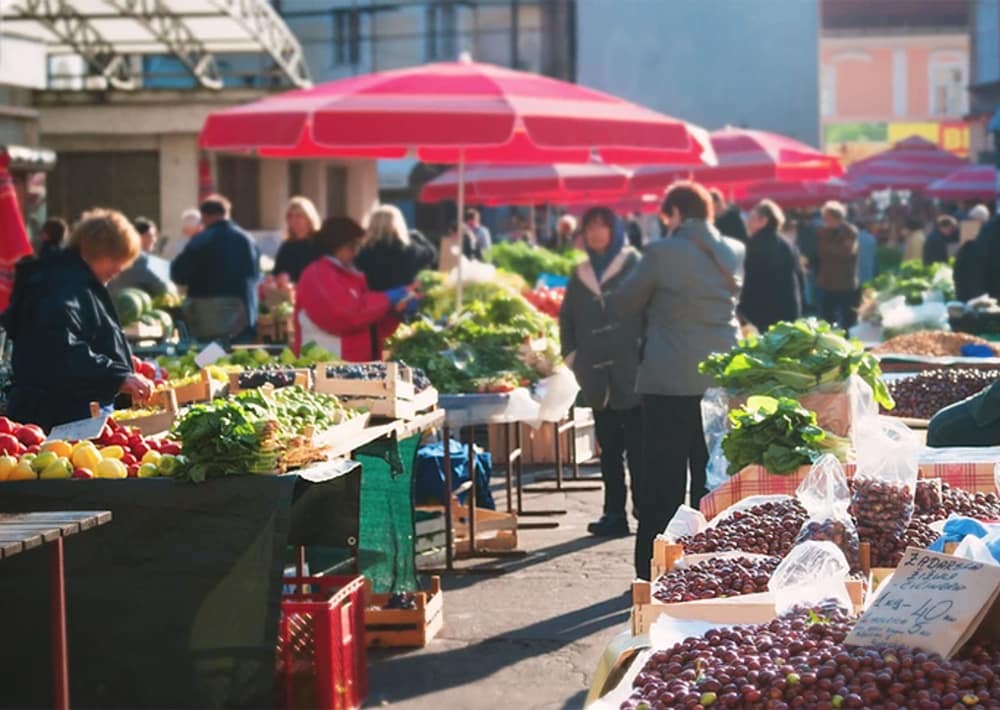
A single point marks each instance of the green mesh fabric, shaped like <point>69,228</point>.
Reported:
<point>387,525</point>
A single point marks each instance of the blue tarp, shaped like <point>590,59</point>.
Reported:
<point>429,483</point>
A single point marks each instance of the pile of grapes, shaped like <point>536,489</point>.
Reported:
<point>766,529</point>
<point>718,577</point>
<point>800,661</point>
<point>922,395</point>
<point>932,505</point>
<point>374,371</point>
<point>276,375</point>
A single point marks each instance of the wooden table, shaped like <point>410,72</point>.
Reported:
<point>20,532</point>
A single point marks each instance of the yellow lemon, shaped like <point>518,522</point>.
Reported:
<point>7,464</point>
<point>59,448</point>
<point>152,457</point>
<point>111,468</point>
<point>22,472</point>
<point>82,443</point>
<point>43,460</point>
<point>86,457</point>
<point>112,452</point>
<point>60,468</point>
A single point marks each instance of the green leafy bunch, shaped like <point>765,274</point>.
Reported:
<point>793,358</point>
<point>779,434</point>
<point>530,262</point>
<point>912,280</point>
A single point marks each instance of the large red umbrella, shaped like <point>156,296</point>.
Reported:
<point>973,182</point>
<point>557,183</point>
<point>911,164</point>
<point>14,242</point>
<point>794,194</point>
<point>746,156</point>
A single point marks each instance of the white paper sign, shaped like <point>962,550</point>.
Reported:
<point>210,355</point>
<point>934,602</point>
<point>79,430</point>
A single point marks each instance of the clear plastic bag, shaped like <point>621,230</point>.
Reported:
<point>884,486</point>
<point>740,507</point>
<point>715,423</point>
<point>556,394</point>
<point>811,573</point>
<point>686,522</point>
<point>898,317</point>
<point>929,499</point>
<point>825,495</point>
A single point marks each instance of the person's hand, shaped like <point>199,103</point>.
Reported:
<point>397,295</point>
<point>411,306</point>
<point>139,388</point>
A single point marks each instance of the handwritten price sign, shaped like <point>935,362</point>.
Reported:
<point>934,602</point>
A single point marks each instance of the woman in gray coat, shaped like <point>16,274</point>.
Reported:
<point>687,287</point>
<point>603,351</point>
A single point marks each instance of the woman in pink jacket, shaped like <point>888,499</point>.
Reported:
<point>334,307</point>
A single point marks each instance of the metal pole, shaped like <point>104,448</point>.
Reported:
<point>472,487</point>
<point>449,532</point>
<point>509,448</point>
<point>460,221</point>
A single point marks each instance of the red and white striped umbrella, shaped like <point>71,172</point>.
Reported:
<point>557,183</point>
<point>911,164</point>
<point>14,242</point>
<point>794,194</point>
<point>973,182</point>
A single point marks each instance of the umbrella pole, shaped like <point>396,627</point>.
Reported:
<point>460,220</point>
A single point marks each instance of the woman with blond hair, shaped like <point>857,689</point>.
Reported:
<point>391,255</point>
<point>298,250</point>
<point>69,349</point>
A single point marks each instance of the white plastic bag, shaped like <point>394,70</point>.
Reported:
<point>898,317</point>
<point>825,495</point>
<point>556,394</point>
<point>811,573</point>
<point>472,272</point>
<point>686,522</point>
<point>715,423</point>
<point>975,549</point>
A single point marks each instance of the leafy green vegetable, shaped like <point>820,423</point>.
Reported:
<point>531,262</point>
<point>778,434</point>
<point>793,358</point>
<point>913,280</point>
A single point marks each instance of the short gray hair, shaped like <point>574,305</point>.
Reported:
<point>835,209</point>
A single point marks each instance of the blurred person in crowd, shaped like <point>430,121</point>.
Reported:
<point>686,289</point>
<point>148,272</point>
<point>602,347</point>
<point>979,213</point>
<point>913,239</point>
<point>867,252</point>
<point>728,219</point>
<point>470,245</point>
<point>837,246</point>
<point>774,281</point>
<point>633,229</point>
<point>69,349</point>
<point>474,222</point>
<point>940,241</point>
<point>970,269</point>
<point>807,241</point>
<point>297,250</point>
<point>54,231</point>
<point>220,266</point>
<point>334,306</point>
<point>391,255</point>
<point>565,233</point>
<point>190,226</point>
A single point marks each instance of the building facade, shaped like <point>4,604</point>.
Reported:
<point>749,64</point>
<point>984,83</point>
<point>887,76</point>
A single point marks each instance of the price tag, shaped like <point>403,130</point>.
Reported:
<point>79,430</point>
<point>933,602</point>
<point>210,355</point>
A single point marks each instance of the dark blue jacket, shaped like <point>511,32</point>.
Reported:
<point>221,261</point>
<point>69,349</point>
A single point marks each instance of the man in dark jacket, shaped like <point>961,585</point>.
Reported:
<point>944,234</point>
<point>774,281</point>
<point>220,267</point>
<point>838,266</point>
<point>728,220</point>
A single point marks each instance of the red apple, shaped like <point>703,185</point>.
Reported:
<point>10,445</point>
<point>33,449</point>
<point>7,426</point>
<point>118,439</point>
<point>133,471</point>
<point>82,473</point>
<point>128,459</point>
<point>30,434</point>
<point>170,447</point>
<point>139,450</point>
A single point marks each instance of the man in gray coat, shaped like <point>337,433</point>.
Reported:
<point>603,350</point>
<point>686,287</point>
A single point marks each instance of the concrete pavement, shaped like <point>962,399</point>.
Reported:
<point>527,639</point>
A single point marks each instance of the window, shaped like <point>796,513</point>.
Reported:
<point>828,90</point>
<point>346,37</point>
<point>986,19</point>
<point>948,86</point>
<point>440,32</point>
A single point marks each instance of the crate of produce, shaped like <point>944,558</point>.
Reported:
<point>156,417</point>
<point>429,539</point>
<point>201,389</point>
<point>404,620</point>
<point>495,531</point>
<point>321,658</point>
<point>275,328</point>
<point>278,377</point>
<point>386,389</point>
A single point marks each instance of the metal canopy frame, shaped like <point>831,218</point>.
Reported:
<point>104,32</point>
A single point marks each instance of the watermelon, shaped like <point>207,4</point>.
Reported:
<point>164,319</point>
<point>147,300</point>
<point>129,306</point>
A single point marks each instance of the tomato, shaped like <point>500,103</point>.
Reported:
<point>133,471</point>
<point>139,450</point>
<point>147,369</point>
<point>170,447</point>
<point>7,426</point>
<point>118,439</point>
<point>114,425</point>
<point>10,445</point>
<point>128,459</point>
<point>30,435</point>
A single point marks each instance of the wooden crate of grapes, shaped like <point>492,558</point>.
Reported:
<point>385,389</point>
<point>404,620</point>
<point>278,377</point>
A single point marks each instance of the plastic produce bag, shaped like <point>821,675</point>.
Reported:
<point>957,529</point>
<point>884,486</point>
<point>556,394</point>
<point>811,573</point>
<point>898,317</point>
<point>825,495</point>
<point>976,549</point>
<point>715,423</point>
<point>472,272</point>
<point>686,522</point>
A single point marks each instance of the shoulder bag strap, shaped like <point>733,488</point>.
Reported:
<point>731,283</point>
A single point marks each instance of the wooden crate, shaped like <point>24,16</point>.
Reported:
<point>203,390</point>
<point>141,331</point>
<point>303,378</point>
<point>404,628</point>
<point>430,539</point>
<point>495,531</point>
<point>538,445</point>
<point>395,397</point>
<point>154,423</point>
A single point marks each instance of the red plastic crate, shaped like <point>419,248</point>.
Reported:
<point>321,644</point>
